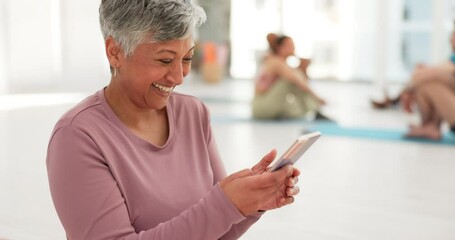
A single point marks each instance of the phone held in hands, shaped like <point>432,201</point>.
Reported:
<point>296,150</point>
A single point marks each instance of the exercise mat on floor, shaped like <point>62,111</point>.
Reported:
<point>333,129</point>
<point>330,128</point>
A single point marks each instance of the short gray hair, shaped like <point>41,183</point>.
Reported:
<point>133,22</point>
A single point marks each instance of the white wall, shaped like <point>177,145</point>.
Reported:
<point>31,43</point>
<point>3,49</point>
<point>51,45</point>
<point>56,45</point>
<point>354,40</point>
<point>361,46</point>
<point>442,26</point>
<point>84,64</point>
<point>394,67</point>
<point>342,42</point>
<point>250,23</point>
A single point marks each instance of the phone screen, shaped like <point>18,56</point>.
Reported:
<point>297,149</point>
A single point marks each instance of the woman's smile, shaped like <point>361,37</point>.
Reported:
<point>162,88</point>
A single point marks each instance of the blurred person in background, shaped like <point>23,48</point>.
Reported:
<point>136,160</point>
<point>430,92</point>
<point>282,91</point>
<point>442,72</point>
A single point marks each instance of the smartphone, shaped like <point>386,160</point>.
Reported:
<point>296,150</point>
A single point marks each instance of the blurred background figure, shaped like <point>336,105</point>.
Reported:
<point>442,73</point>
<point>431,92</point>
<point>282,91</point>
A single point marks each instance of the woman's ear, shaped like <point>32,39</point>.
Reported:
<point>113,51</point>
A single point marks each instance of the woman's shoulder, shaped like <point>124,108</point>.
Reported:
<point>272,65</point>
<point>181,100</point>
<point>187,109</point>
<point>81,113</point>
<point>272,60</point>
<point>270,57</point>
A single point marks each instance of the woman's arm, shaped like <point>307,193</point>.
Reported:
<point>219,173</point>
<point>443,73</point>
<point>284,71</point>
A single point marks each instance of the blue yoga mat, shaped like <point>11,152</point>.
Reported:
<point>334,129</point>
<point>371,133</point>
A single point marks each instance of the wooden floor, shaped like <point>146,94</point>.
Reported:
<point>351,188</point>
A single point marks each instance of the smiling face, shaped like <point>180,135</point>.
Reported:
<point>147,77</point>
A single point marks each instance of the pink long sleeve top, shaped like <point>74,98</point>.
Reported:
<point>107,183</point>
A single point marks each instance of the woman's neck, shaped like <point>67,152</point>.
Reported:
<point>149,124</point>
<point>127,110</point>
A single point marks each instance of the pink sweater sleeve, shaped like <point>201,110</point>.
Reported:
<point>219,172</point>
<point>90,205</point>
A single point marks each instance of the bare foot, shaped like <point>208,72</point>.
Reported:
<point>427,131</point>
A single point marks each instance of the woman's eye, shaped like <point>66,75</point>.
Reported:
<point>165,61</point>
<point>187,60</point>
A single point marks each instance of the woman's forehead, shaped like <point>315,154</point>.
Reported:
<point>176,46</point>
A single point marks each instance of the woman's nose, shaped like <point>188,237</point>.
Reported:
<point>175,74</point>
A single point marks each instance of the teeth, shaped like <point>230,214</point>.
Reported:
<point>163,88</point>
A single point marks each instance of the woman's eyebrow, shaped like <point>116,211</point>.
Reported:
<point>172,51</point>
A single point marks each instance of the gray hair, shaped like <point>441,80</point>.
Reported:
<point>134,22</point>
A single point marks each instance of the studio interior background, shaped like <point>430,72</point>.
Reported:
<point>364,181</point>
<point>56,45</point>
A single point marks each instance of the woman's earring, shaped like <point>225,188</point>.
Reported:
<point>115,72</point>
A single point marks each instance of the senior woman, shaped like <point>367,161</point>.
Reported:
<point>136,160</point>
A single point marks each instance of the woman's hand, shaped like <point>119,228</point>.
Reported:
<point>407,100</point>
<point>321,101</point>
<point>287,190</point>
<point>258,189</point>
<point>285,194</point>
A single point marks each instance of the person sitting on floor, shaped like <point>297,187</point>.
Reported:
<point>281,91</point>
<point>422,74</point>
<point>432,90</point>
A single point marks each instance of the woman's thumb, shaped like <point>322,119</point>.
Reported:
<point>264,163</point>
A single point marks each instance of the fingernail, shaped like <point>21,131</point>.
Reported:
<point>289,170</point>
